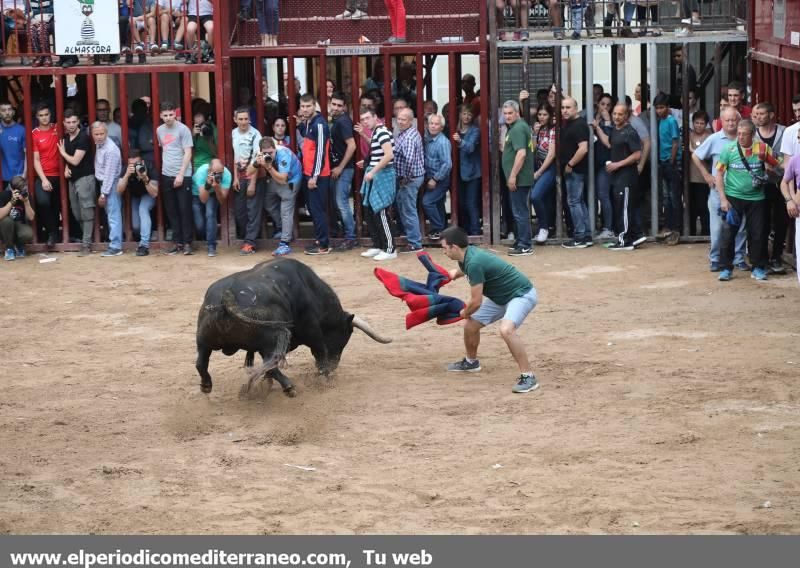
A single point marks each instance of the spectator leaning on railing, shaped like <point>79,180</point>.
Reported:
<point>48,174</point>
<point>468,139</point>
<point>438,164</point>
<point>75,149</point>
<point>409,164</point>
<point>175,139</point>
<point>107,169</point>
<point>16,213</point>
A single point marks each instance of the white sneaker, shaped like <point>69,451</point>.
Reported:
<point>605,234</point>
<point>369,253</point>
<point>509,238</point>
<point>686,21</point>
<point>541,237</point>
<point>358,14</point>
<point>383,255</point>
<point>346,15</point>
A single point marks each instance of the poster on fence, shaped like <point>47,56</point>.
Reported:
<point>86,27</point>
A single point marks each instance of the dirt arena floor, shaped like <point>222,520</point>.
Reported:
<point>670,403</point>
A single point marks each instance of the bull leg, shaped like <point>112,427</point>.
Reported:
<point>288,387</point>
<point>249,359</point>
<point>203,356</point>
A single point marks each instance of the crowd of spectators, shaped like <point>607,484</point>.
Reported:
<point>182,27</point>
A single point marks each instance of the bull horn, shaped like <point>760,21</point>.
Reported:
<point>359,323</point>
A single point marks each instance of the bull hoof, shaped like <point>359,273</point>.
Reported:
<point>290,392</point>
<point>205,388</point>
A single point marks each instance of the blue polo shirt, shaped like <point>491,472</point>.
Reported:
<point>667,132</point>
<point>287,162</point>
<point>12,150</point>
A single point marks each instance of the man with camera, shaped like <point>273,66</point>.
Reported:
<point>210,185</point>
<point>741,178</point>
<point>75,148</point>
<point>204,134</point>
<point>140,179</point>
<point>248,200</point>
<point>283,174</point>
<point>15,214</point>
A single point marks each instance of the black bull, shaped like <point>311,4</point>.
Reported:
<point>271,309</point>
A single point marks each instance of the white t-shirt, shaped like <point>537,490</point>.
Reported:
<point>790,146</point>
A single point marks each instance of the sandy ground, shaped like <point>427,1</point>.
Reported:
<point>669,404</point>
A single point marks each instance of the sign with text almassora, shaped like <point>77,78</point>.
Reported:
<point>86,27</point>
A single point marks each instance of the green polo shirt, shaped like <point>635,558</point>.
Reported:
<point>502,282</point>
<point>518,137</point>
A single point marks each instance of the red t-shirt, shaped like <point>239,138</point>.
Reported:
<point>46,143</point>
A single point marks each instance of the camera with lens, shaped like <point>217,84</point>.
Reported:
<point>217,177</point>
<point>23,192</point>
<point>266,157</point>
<point>140,168</point>
<point>206,131</point>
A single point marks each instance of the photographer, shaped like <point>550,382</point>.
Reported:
<point>283,172</point>
<point>15,214</point>
<point>210,185</point>
<point>141,179</point>
<point>204,134</point>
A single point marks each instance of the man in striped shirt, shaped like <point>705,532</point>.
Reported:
<point>107,169</point>
<point>378,188</point>
<point>409,164</point>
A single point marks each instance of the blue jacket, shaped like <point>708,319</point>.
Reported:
<point>438,162</point>
<point>469,153</point>
<point>380,192</point>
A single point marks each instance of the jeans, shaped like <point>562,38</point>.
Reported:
<point>543,197</point>
<point>406,200</point>
<point>578,210</point>
<point>756,212</point>
<point>469,206</point>
<point>114,212</point>
<point>521,208</point>
<point>15,234</point>
<point>602,183</point>
<point>178,205</point>
<point>577,19</point>
<point>672,198</point>
<point>317,202</point>
<point>344,187</point>
<point>433,204</point>
<point>205,218</point>
<point>715,224</point>
<point>140,217</point>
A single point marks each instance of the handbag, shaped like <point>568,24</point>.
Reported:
<point>760,179</point>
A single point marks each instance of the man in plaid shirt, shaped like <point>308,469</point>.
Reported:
<point>409,163</point>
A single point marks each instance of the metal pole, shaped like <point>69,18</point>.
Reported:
<point>685,126</point>
<point>452,120</point>
<point>494,126</point>
<point>154,111</point>
<point>588,72</point>
<point>559,179</point>
<point>91,94</point>
<point>356,110</point>
<point>28,120</point>
<point>123,105</point>
<point>717,77</point>
<point>64,191</point>
<point>652,79</point>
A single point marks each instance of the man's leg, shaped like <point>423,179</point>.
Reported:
<point>472,338</point>
<point>184,194</point>
<point>255,208</point>
<point>146,204</point>
<point>85,193</point>
<point>212,205</point>
<point>756,212</point>
<point>7,232</point>
<point>714,227</point>
<point>344,186</point>
<point>272,205</point>
<point>114,211</point>
<point>577,207</point>
<point>317,201</point>
<point>372,227</point>
<point>520,205</point>
<point>170,200</point>
<point>288,197</point>
<point>198,215</point>
<point>797,247</point>
<point>430,204</point>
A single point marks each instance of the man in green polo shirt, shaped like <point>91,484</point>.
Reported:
<point>499,292</point>
<point>518,168</point>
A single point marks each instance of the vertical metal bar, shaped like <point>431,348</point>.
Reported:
<point>717,77</point>
<point>292,111</point>
<point>453,123</point>
<point>186,79</point>
<point>387,90</point>
<point>28,119</point>
<point>63,191</point>
<point>685,138</point>
<point>588,71</point>
<point>615,49</point>
<point>492,194</point>
<point>420,91</point>
<point>323,84</point>
<point>91,94</point>
<point>224,84</point>
<point>154,88</point>
<point>123,111</point>
<point>357,172</point>
<point>526,84</point>
<point>560,229</point>
<point>257,91</point>
<point>488,149</point>
<point>652,75</point>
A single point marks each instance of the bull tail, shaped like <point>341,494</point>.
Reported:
<point>234,309</point>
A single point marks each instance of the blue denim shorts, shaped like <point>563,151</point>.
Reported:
<point>516,310</point>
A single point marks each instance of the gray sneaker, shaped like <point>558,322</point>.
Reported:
<point>525,384</point>
<point>464,366</point>
<point>111,252</point>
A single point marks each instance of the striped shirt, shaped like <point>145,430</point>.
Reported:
<point>107,165</point>
<point>409,156</point>
<point>380,136</point>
